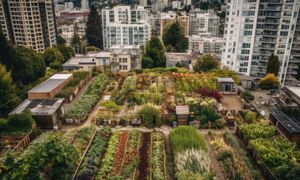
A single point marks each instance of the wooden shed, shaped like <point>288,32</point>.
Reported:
<point>182,115</point>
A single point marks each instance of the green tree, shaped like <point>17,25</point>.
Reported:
<point>8,97</point>
<point>67,51</point>
<point>94,29</point>
<point>151,116</point>
<point>173,36</point>
<point>28,66</point>
<point>60,40</point>
<point>20,122</point>
<point>6,51</point>
<point>53,56</point>
<point>76,41</point>
<point>273,65</point>
<point>206,63</point>
<point>155,55</point>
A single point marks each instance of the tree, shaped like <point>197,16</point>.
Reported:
<point>155,55</point>
<point>151,116</point>
<point>173,36</point>
<point>28,66</point>
<point>206,63</point>
<point>94,29</point>
<point>60,40</point>
<point>8,97</point>
<point>6,51</point>
<point>76,41</point>
<point>270,81</point>
<point>67,51</point>
<point>273,65</point>
<point>53,56</point>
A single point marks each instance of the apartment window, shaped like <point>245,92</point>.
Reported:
<point>124,60</point>
<point>246,45</point>
<point>247,33</point>
<point>125,67</point>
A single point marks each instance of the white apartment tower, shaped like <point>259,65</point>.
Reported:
<point>125,25</point>
<point>203,22</point>
<point>254,30</point>
<point>29,23</point>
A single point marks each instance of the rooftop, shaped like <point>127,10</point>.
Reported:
<point>39,106</point>
<point>292,125</point>
<point>51,83</point>
<point>182,110</point>
<point>225,80</point>
<point>293,89</point>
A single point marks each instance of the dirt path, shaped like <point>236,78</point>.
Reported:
<point>216,167</point>
<point>170,162</point>
<point>144,164</point>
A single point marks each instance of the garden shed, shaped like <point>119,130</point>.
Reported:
<point>46,112</point>
<point>182,115</point>
<point>226,85</point>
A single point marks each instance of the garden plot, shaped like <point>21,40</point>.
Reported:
<point>128,155</point>
<point>276,157</point>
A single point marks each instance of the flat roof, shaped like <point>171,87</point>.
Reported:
<point>51,83</point>
<point>292,125</point>
<point>39,106</point>
<point>294,89</point>
<point>225,80</point>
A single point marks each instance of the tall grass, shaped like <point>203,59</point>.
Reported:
<point>186,137</point>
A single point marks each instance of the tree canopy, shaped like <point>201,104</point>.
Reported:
<point>173,36</point>
<point>8,97</point>
<point>155,55</point>
<point>94,29</point>
<point>53,56</point>
<point>206,63</point>
<point>273,65</point>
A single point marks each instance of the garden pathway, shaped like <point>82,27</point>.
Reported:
<point>67,106</point>
<point>216,166</point>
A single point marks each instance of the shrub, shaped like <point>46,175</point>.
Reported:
<point>205,92</point>
<point>270,81</point>
<point>250,116</point>
<point>17,123</point>
<point>248,96</point>
<point>111,106</point>
<point>151,116</point>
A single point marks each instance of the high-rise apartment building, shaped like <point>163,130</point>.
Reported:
<point>29,23</point>
<point>203,22</point>
<point>125,25</point>
<point>255,29</point>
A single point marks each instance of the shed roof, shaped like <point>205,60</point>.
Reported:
<point>182,110</point>
<point>39,106</point>
<point>225,80</point>
<point>51,83</point>
<point>292,125</point>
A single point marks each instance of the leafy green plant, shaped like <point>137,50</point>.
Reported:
<point>109,157</point>
<point>86,102</point>
<point>92,160</point>
<point>158,157</point>
<point>47,157</point>
<point>255,131</point>
<point>250,116</point>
